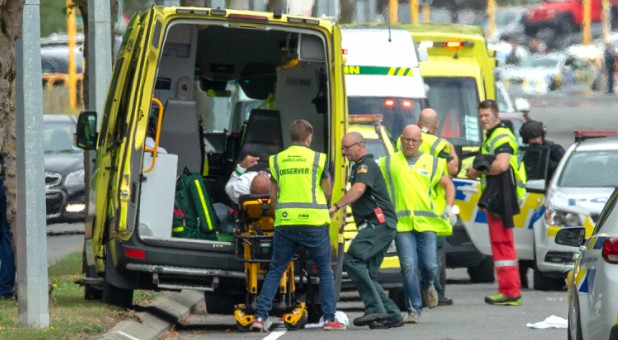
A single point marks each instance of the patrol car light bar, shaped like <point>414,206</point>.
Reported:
<point>191,11</point>
<point>365,118</point>
<point>453,44</point>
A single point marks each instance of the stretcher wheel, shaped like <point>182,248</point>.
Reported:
<point>297,325</point>
<point>242,328</point>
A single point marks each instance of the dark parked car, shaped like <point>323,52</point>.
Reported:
<point>64,170</point>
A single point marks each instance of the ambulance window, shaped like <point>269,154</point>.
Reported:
<point>376,147</point>
<point>397,112</point>
<point>458,115</point>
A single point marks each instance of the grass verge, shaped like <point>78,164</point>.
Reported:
<point>70,316</point>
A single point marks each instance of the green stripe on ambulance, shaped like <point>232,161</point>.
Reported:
<point>378,71</point>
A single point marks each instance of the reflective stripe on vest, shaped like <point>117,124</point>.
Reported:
<point>433,145</point>
<point>506,263</point>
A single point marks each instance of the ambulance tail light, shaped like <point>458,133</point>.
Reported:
<point>389,103</point>
<point>135,253</point>
<point>406,104</point>
<point>610,250</point>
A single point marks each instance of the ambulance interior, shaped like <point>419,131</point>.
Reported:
<point>228,91</point>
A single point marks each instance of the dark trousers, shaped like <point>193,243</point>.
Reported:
<point>362,263</point>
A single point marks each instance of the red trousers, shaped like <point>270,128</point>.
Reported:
<point>505,257</point>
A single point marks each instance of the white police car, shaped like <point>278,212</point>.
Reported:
<point>582,183</point>
<point>593,283</point>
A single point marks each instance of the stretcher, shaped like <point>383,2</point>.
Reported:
<point>254,235</point>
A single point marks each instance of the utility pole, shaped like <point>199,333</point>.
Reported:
<point>491,17</point>
<point>605,20</point>
<point>586,22</point>
<point>426,10</point>
<point>414,11</point>
<point>393,9</point>
<point>31,233</point>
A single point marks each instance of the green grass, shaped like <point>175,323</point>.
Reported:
<point>70,316</point>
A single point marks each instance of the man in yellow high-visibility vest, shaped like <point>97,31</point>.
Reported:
<point>299,191</point>
<point>500,143</point>
<point>412,177</point>
<point>441,148</point>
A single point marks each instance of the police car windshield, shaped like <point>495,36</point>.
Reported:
<point>396,112</point>
<point>590,169</point>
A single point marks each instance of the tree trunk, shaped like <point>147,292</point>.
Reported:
<point>10,20</point>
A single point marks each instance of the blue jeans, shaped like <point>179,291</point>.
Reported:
<point>416,251</point>
<point>316,241</point>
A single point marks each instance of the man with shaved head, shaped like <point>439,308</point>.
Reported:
<point>376,222</point>
<point>441,148</point>
<point>412,178</point>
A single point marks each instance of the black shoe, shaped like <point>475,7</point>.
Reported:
<point>368,318</point>
<point>444,301</point>
<point>386,324</point>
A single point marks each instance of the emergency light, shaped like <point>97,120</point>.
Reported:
<point>389,103</point>
<point>365,118</point>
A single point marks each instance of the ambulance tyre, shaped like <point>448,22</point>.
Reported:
<point>545,283</point>
<point>484,272</point>
<point>396,294</point>
<point>222,301</point>
<point>115,296</point>
<point>90,292</point>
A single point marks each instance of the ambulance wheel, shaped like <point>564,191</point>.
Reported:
<point>484,272</point>
<point>545,283</point>
<point>298,325</point>
<point>90,292</point>
<point>115,296</point>
<point>398,297</point>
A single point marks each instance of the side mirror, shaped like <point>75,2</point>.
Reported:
<point>423,55</point>
<point>536,186</point>
<point>522,104</point>
<point>571,236</point>
<point>86,130</point>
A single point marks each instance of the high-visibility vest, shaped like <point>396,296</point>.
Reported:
<point>411,191</point>
<point>434,146</point>
<point>499,137</point>
<point>300,199</point>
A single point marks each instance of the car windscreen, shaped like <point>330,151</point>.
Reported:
<point>396,112</point>
<point>590,169</point>
<point>539,62</point>
<point>456,100</point>
<point>59,138</point>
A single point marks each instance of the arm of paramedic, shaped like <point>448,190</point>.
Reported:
<point>498,166</point>
<point>273,193</point>
<point>326,186</point>
<point>356,191</point>
<point>453,164</point>
<point>449,188</point>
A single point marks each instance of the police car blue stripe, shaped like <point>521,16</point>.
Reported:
<point>538,214</point>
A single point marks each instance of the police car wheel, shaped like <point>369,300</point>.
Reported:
<point>545,283</point>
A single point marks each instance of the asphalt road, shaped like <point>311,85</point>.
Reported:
<point>468,318</point>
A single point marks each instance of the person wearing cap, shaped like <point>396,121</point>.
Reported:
<point>533,133</point>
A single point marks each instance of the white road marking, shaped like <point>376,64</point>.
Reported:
<point>277,333</point>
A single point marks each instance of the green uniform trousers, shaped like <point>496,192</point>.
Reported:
<point>362,263</point>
